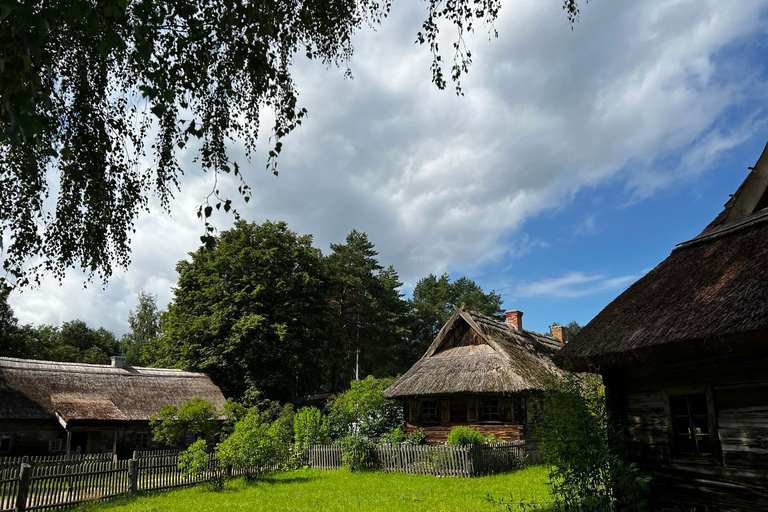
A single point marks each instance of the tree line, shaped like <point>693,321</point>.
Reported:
<point>267,315</point>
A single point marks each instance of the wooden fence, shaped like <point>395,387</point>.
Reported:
<point>44,483</point>
<point>438,460</point>
<point>53,460</point>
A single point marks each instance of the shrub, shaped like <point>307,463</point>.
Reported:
<point>464,436</point>
<point>416,438</point>
<point>196,416</point>
<point>396,436</point>
<point>310,427</point>
<point>491,439</point>
<point>258,441</point>
<point>194,461</point>
<point>579,449</point>
<point>364,410</point>
<point>357,453</point>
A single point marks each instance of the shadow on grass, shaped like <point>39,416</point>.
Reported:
<point>273,480</point>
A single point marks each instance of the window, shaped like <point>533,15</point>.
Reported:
<point>5,442</point>
<point>54,445</point>
<point>142,440</point>
<point>459,411</point>
<point>489,410</point>
<point>429,411</point>
<point>690,425</point>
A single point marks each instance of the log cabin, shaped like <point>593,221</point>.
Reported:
<point>683,357</point>
<point>479,372</point>
<point>59,408</point>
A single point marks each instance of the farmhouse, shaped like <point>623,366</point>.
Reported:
<point>58,408</point>
<point>683,356</point>
<point>479,372</point>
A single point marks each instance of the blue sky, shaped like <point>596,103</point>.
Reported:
<point>601,242</point>
<point>573,164</point>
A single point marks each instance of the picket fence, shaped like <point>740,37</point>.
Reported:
<point>44,483</point>
<point>441,460</point>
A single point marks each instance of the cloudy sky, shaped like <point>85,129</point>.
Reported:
<point>573,164</point>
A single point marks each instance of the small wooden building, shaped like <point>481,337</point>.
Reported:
<point>52,408</point>
<point>478,372</point>
<point>683,356</point>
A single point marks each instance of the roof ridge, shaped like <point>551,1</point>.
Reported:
<point>509,328</point>
<point>30,364</point>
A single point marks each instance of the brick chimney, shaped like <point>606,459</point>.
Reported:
<point>558,331</point>
<point>117,361</point>
<point>515,319</point>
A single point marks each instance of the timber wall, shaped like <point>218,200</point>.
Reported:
<point>737,478</point>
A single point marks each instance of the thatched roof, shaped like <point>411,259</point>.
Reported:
<point>710,294</point>
<point>32,389</point>
<point>473,353</point>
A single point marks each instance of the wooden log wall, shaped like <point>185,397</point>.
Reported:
<point>736,479</point>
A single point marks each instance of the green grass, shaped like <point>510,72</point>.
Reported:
<point>340,490</point>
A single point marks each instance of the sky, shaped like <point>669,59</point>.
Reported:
<point>572,165</point>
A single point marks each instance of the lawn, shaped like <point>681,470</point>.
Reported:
<point>340,490</point>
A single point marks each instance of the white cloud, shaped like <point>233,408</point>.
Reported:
<point>442,182</point>
<point>571,285</point>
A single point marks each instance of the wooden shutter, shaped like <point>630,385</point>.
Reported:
<point>472,405</point>
<point>445,411</point>
<point>506,410</point>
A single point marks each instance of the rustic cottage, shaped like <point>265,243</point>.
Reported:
<point>57,408</point>
<point>479,372</point>
<point>683,356</point>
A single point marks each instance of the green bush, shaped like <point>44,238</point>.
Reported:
<point>258,441</point>
<point>357,453</point>
<point>396,436</point>
<point>580,451</point>
<point>194,461</point>
<point>364,410</point>
<point>196,416</point>
<point>416,438</point>
<point>310,427</point>
<point>464,436</point>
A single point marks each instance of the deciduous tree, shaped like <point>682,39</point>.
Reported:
<point>144,323</point>
<point>252,312</point>
<point>107,93</point>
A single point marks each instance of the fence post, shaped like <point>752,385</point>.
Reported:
<point>23,492</point>
<point>133,475</point>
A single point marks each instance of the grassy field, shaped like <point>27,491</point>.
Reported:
<point>341,490</point>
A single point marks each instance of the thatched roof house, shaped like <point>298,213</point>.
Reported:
<point>683,358</point>
<point>53,397</point>
<point>478,371</point>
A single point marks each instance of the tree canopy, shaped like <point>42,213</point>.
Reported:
<point>144,324</point>
<point>372,316</point>
<point>251,312</point>
<point>107,93</point>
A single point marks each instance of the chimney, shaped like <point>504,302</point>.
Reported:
<point>515,319</point>
<point>117,361</point>
<point>558,331</point>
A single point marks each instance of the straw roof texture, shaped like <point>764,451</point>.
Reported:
<point>32,389</point>
<point>475,354</point>
<point>710,294</point>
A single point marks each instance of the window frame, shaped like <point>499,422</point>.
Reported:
<point>51,445</point>
<point>714,437</point>
<point>141,434</point>
<point>9,436</point>
<point>490,405</point>
<point>433,418</point>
